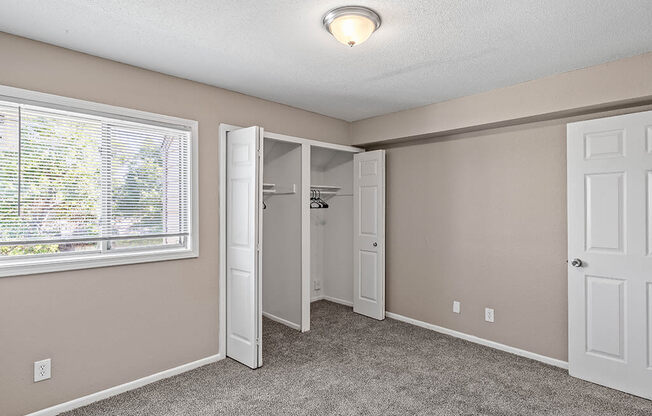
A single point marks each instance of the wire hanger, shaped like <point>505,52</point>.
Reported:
<point>316,201</point>
<point>314,204</point>
<point>321,201</point>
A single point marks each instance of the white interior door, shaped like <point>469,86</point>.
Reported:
<point>609,251</point>
<point>243,245</point>
<point>369,234</point>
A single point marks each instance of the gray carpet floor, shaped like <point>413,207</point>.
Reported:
<point>352,365</point>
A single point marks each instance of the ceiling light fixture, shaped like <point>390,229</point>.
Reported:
<point>351,25</point>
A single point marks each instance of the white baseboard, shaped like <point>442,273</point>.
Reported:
<point>332,299</point>
<point>101,395</point>
<point>282,321</point>
<point>481,341</point>
<point>340,301</point>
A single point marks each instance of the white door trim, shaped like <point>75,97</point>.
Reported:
<point>223,130</point>
<point>305,237</point>
<point>311,142</point>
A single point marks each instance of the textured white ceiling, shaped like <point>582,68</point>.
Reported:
<point>425,51</point>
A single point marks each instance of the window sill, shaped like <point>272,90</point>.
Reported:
<point>88,261</point>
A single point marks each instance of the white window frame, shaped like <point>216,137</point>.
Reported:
<point>23,265</point>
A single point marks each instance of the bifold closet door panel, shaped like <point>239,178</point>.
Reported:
<point>281,273</point>
<point>369,234</point>
<point>243,213</point>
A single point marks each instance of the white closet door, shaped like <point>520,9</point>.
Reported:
<point>369,234</point>
<point>610,252</point>
<point>243,237</point>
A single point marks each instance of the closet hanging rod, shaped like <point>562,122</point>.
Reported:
<point>329,190</point>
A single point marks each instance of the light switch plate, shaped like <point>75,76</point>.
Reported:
<point>42,370</point>
<point>456,306</point>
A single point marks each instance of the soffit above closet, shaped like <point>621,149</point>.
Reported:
<point>424,52</point>
<point>322,158</point>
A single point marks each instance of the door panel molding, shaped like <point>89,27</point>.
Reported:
<point>605,317</point>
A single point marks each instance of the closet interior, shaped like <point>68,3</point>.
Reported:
<point>290,207</point>
<point>330,252</point>
<point>281,265</point>
<point>331,227</point>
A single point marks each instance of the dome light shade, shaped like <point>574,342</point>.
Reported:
<point>351,25</point>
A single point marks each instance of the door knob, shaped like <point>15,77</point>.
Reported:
<point>576,263</point>
<point>375,244</point>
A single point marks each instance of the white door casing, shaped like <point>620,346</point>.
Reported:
<point>369,234</point>
<point>610,235</point>
<point>243,245</point>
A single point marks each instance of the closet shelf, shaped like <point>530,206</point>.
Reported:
<point>273,189</point>
<point>325,190</point>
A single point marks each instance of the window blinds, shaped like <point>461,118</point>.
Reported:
<point>72,177</point>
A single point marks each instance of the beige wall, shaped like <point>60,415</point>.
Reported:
<point>104,327</point>
<point>481,218</point>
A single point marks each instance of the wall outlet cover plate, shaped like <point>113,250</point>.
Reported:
<point>42,370</point>
<point>488,314</point>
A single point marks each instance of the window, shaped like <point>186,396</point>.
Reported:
<point>83,189</point>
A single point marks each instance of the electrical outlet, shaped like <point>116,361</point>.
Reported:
<point>317,285</point>
<point>456,306</point>
<point>488,314</point>
<point>42,370</point>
